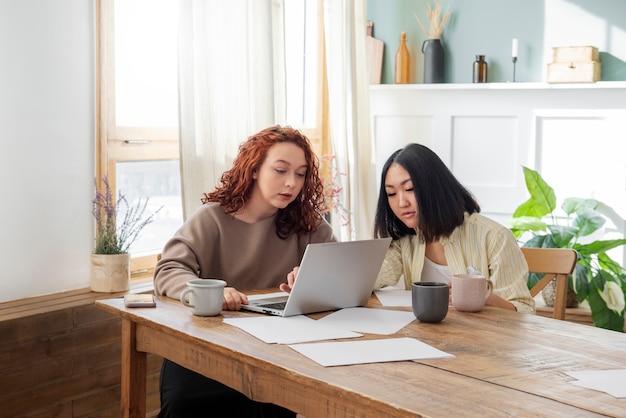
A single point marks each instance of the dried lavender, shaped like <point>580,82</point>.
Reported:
<point>111,237</point>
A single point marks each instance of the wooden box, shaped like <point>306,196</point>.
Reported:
<point>575,54</point>
<point>574,72</point>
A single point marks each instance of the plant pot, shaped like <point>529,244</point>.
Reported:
<point>549,292</point>
<point>110,273</point>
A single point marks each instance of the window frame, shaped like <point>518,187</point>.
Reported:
<point>124,144</point>
<point>117,143</point>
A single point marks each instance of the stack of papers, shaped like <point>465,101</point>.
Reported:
<point>345,323</point>
<point>609,381</point>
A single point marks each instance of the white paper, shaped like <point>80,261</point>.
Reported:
<point>390,296</point>
<point>609,381</point>
<point>368,320</point>
<point>369,351</point>
<point>290,330</point>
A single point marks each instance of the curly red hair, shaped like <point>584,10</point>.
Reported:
<point>300,216</point>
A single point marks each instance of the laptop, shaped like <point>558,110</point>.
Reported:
<point>332,276</point>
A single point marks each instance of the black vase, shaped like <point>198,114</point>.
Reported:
<point>433,61</point>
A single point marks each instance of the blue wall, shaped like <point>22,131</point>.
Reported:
<point>487,27</point>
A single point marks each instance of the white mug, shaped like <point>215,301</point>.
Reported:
<point>205,296</point>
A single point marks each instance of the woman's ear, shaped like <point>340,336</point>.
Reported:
<point>255,175</point>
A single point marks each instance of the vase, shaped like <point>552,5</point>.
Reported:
<point>403,60</point>
<point>433,61</point>
<point>549,292</point>
<point>110,273</point>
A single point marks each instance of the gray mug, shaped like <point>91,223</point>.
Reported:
<point>430,301</point>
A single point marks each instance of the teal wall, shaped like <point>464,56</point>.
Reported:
<point>487,27</point>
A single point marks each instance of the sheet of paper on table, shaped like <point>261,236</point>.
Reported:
<point>370,351</point>
<point>368,320</point>
<point>609,381</point>
<point>290,330</point>
<point>391,296</point>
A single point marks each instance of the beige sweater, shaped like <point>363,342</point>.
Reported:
<point>213,244</point>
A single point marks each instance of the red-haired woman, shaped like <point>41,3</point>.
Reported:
<point>251,231</point>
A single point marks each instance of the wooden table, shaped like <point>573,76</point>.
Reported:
<point>507,364</point>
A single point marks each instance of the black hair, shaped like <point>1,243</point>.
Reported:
<point>442,200</point>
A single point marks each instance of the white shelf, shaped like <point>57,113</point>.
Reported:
<point>500,86</point>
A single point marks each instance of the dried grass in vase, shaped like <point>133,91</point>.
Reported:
<point>436,18</point>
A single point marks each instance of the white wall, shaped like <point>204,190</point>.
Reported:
<point>573,134</point>
<point>46,145</point>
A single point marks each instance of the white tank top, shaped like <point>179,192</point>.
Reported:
<point>434,272</point>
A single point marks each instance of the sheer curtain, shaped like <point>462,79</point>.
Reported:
<point>349,120</point>
<point>232,84</point>
<point>229,59</point>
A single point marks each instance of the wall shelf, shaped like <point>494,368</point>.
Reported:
<point>501,86</point>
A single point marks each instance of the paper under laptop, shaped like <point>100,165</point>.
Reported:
<point>332,276</point>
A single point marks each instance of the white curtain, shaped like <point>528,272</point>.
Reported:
<point>229,60</point>
<point>232,85</point>
<point>350,129</point>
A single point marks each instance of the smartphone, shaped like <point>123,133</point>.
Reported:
<point>141,300</point>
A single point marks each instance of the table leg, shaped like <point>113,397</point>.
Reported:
<point>134,367</point>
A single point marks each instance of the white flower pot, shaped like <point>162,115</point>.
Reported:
<point>110,273</point>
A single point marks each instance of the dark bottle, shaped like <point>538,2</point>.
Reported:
<point>480,69</point>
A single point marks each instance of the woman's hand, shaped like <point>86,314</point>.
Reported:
<point>233,299</point>
<point>291,279</point>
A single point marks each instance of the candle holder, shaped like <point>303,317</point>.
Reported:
<point>514,64</point>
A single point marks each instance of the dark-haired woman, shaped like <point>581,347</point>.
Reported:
<point>251,231</point>
<point>437,231</point>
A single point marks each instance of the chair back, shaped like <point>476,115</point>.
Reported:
<point>556,264</point>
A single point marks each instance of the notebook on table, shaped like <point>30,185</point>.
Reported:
<point>331,276</point>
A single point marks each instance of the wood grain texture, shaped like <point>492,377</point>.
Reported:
<point>518,359</point>
<point>60,356</point>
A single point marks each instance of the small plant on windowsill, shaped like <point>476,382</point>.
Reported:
<point>333,190</point>
<point>110,259</point>
<point>597,278</point>
<point>111,237</point>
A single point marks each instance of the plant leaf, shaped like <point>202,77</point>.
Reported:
<point>542,198</point>
<point>563,235</point>
<point>600,246</point>
<point>541,241</point>
<point>527,223</point>
<point>572,204</point>
<point>588,221</point>
<point>602,316</point>
<point>580,281</point>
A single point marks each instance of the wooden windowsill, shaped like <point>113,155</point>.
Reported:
<point>69,299</point>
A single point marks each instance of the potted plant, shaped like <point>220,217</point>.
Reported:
<point>597,278</point>
<point>110,260</point>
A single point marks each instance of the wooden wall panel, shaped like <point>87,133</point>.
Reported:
<point>64,361</point>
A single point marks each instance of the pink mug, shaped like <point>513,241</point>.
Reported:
<point>470,291</point>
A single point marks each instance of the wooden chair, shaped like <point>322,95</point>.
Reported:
<point>555,263</point>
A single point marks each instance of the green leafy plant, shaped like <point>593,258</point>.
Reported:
<point>111,237</point>
<point>597,278</point>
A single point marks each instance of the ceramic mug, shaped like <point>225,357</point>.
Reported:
<point>205,296</point>
<point>429,301</point>
<point>470,291</point>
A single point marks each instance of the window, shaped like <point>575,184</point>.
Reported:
<point>138,143</point>
<point>138,135</point>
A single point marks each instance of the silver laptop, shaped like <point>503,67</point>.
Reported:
<point>332,276</point>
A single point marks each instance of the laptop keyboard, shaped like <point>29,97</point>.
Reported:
<point>279,305</point>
